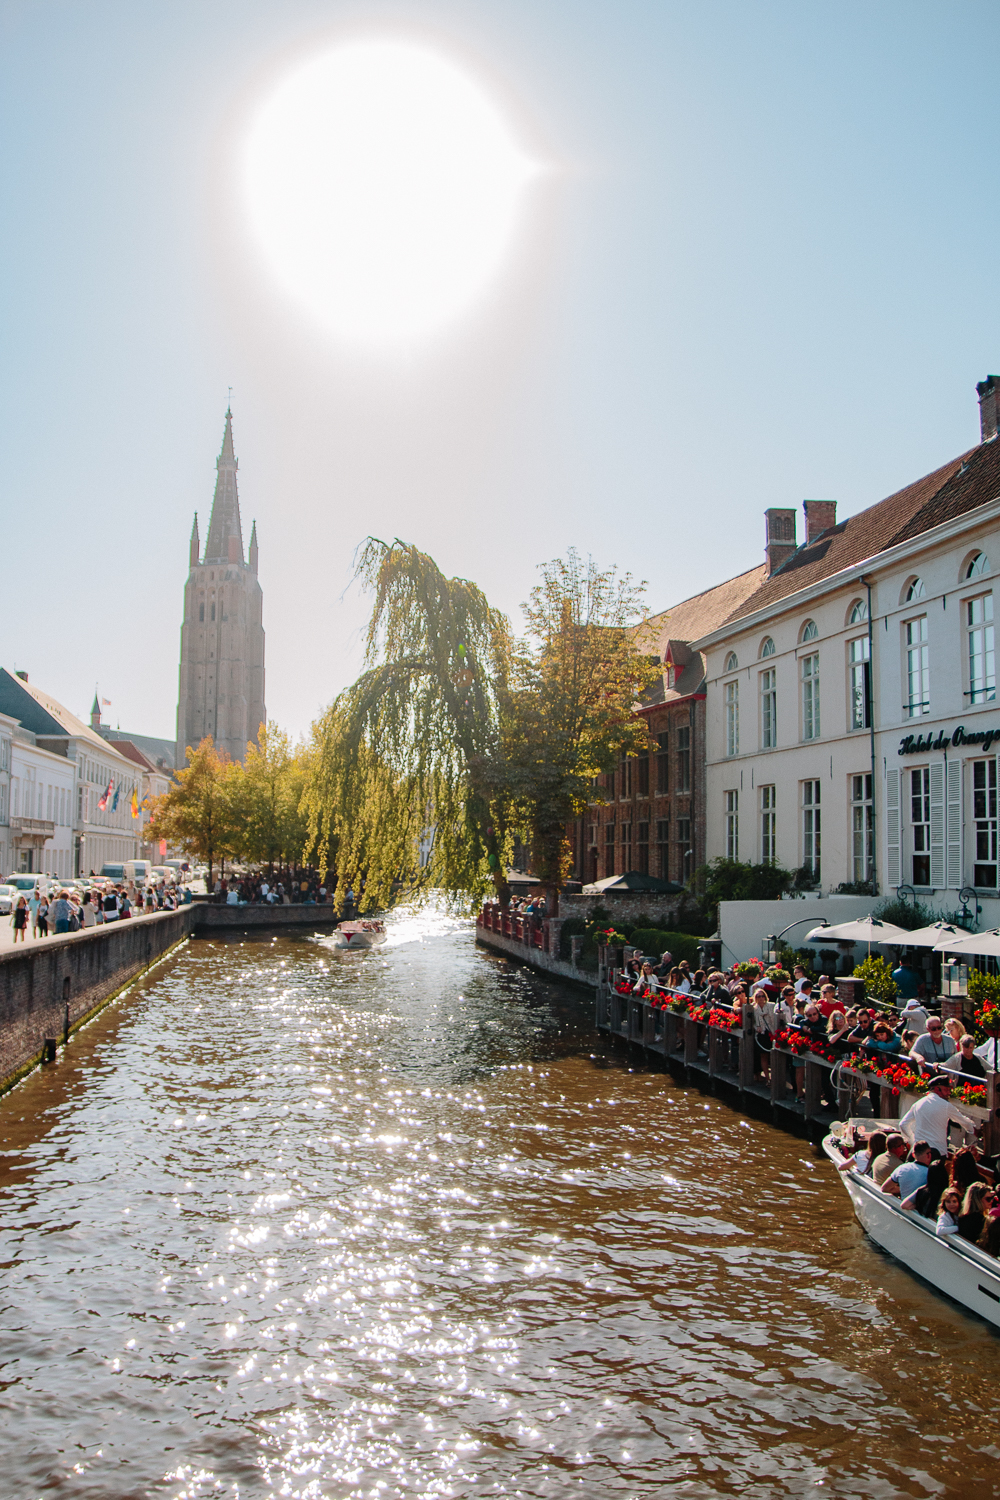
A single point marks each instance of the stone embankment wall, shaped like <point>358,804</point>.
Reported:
<point>50,987</point>
<point>537,958</point>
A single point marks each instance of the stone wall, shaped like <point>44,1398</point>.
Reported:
<point>209,917</point>
<point>660,909</point>
<point>48,988</point>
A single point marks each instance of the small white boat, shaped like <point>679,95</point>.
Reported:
<point>363,934</point>
<point>951,1265</point>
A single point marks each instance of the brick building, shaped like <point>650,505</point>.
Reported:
<point>651,816</point>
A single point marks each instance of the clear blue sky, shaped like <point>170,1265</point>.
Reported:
<point>765,271</point>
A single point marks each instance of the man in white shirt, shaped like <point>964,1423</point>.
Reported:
<point>930,1117</point>
<point>989,1052</point>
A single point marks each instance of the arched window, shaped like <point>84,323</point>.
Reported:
<point>859,612</point>
<point>809,631</point>
<point>731,662</point>
<point>767,649</point>
<point>980,564</point>
<point>916,590</point>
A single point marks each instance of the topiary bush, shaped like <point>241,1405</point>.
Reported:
<point>877,975</point>
<point>653,941</point>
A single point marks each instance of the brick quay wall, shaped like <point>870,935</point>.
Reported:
<point>51,986</point>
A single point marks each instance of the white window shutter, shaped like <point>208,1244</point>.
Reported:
<point>955,880</point>
<point>892,827</point>
<point>937,823</point>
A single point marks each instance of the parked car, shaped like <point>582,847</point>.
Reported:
<point>25,884</point>
<point>8,895</point>
<point>115,873</point>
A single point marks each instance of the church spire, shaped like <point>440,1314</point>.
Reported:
<point>225,532</point>
<point>253,548</point>
<point>195,546</point>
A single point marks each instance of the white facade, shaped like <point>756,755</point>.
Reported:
<point>7,727</point>
<point>41,808</point>
<point>797,771</point>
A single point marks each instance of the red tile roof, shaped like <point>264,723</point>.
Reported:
<point>670,631</point>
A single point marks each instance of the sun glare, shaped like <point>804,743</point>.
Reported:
<point>385,188</point>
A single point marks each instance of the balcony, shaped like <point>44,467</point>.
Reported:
<point>31,833</point>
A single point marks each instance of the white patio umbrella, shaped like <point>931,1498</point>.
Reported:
<point>869,930</point>
<point>981,943</point>
<point>934,936</point>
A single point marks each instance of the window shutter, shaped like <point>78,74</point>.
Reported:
<point>892,827</point>
<point>937,823</point>
<point>955,881</point>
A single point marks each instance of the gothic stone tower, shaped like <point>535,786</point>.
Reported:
<point>221,689</point>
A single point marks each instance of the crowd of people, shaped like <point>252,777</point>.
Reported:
<point>72,909</point>
<point>283,887</point>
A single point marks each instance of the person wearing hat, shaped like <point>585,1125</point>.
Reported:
<point>914,1017</point>
<point>929,1119</point>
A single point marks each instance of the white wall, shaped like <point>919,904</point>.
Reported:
<point>42,787</point>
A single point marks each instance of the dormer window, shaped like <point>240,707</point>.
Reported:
<point>731,663</point>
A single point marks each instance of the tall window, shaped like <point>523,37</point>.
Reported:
<point>642,774</point>
<point>732,718</point>
<point>810,697</point>
<point>811,832</point>
<point>662,847</point>
<point>732,825</point>
<point>625,779</point>
<point>984,812</point>
<point>862,827</point>
<point>918,672</point>
<point>609,782</point>
<point>920,824</point>
<point>642,848</point>
<point>684,759</point>
<point>662,765</point>
<point>768,709</point>
<point>768,825</point>
<point>684,855</point>
<point>859,682</point>
<point>609,850</point>
<point>626,845</point>
<point>982,666</point>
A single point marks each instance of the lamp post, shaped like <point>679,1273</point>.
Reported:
<point>770,944</point>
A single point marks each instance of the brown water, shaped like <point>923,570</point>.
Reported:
<point>288,1223</point>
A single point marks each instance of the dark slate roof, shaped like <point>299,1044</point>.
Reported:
<point>971,480</point>
<point>16,701</point>
<point>160,753</point>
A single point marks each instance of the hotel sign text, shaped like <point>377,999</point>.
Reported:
<point>919,744</point>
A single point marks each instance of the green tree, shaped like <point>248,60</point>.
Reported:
<point>400,760</point>
<point>732,880</point>
<point>265,796</point>
<point>196,814</point>
<point>570,712</point>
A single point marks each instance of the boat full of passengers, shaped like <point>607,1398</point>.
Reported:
<point>365,933</point>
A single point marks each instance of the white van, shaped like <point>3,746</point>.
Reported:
<point>138,870</point>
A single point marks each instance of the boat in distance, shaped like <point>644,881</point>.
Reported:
<point>362,934</point>
<point>951,1264</point>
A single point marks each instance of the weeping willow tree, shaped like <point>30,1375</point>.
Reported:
<point>570,711</point>
<point>401,792</point>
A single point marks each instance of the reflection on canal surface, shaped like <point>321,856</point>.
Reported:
<point>299,1223</point>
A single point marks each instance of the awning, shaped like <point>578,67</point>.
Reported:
<point>633,882</point>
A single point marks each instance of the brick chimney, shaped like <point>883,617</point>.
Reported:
<point>988,390</point>
<point>820,516</point>
<point>780,538</point>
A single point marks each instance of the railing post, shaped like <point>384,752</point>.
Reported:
<point>748,1042</point>
<point>779,1075</point>
<point>814,1087</point>
<point>714,1039</point>
<point>690,1041</point>
<point>648,1025</point>
<point>888,1102</point>
<point>991,1134</point>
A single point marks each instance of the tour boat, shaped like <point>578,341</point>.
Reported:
<point>363,934</point>
<point>951,1265</point>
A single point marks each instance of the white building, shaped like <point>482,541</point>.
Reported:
<point>7,727</point>
<point>76,756</point>
<point>851,715</point>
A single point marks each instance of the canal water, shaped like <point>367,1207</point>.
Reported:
<point>285,1222</point>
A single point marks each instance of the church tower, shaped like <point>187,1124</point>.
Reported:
<point>221,690</point>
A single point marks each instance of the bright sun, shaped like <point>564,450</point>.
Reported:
<point>385,188</point>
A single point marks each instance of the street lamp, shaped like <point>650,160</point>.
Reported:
<point>770,943</point>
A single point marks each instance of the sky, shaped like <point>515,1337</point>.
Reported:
<point>758,268</point>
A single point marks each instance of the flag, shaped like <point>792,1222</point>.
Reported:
<point>114,805</point>
<point>135,804</point>
<point>105,702</point>
<point>147,802</point>
<point>107,793</point>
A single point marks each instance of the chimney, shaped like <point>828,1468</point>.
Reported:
<point>820,516</point>
<point>780,538</point>
<point>23,676</point>
<point>988,390</point>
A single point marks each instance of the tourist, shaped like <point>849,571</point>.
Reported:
<point>19,918</point>
<point>965,1060</point>
<point>646,983</point>
<point>933,1048</point>
<point>910,1176</point>
<point>799,977</point>
<point>892,1157</point>
<point>949,1210</point>
<point>60,912</point>
<point>678,980</point>
<point>868,1152</point>
<point>34,901</point>
<point>109,904</point>
<point>827,1002</point>
<point>931,1117</point>
<point>883,1042</point>
<point>989,1240</point>
<point>927,1198</point>
<point>716,992</point>
<point>972,1220</point>
<point>906,980</point>
<point>955,1029</point>
<point>665,965</point>
<point>42,916</point>
<point>964,1168</point>
<point>88,916</point>
<point>915,1016</point>
<point>124,905</point>
<point>836,1027</point>
<point>906,1042</point>
<point>863,1030</point>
